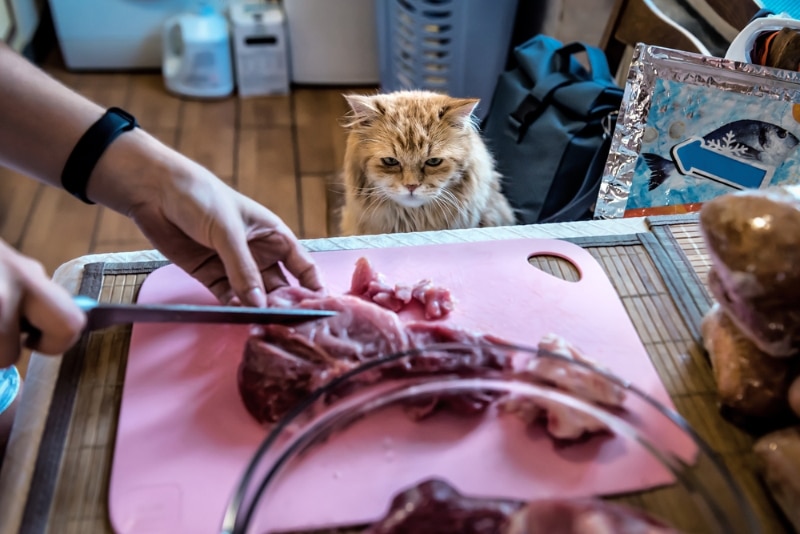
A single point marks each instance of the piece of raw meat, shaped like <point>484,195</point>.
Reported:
<point>754,246</point>
<point>576,379</point>
<point>778,455</point>
<point>434,507</point>
<point>284,365</point>
<point>369,284</point>
<point>752,385</point>
<point>771,324</point>
<point>563,422</point>
<point>582,516</point>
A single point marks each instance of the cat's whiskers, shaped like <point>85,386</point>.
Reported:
<point>374,203</point>
<point>446,199</point>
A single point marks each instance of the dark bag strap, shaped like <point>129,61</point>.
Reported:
<point>598,64</point>
<point>542,55</point>
<point>532,106</point>
<point>543,92</point>
<point>578,208</point>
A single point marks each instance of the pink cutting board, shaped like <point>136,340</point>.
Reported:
<point>184,437</point>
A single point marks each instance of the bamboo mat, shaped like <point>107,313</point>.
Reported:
<point>70,484</point>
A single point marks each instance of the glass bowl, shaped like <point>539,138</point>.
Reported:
<point>339,458</point>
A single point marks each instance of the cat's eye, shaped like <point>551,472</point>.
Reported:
<point>389,162</point>
<point>434,162</point>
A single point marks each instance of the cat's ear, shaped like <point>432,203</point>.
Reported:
<point>364,109</point>
<point>459,110</point>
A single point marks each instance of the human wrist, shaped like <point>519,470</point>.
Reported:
<point>90,147</point>
<point>132,170</point>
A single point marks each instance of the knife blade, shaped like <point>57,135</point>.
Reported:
<point>101,315</point>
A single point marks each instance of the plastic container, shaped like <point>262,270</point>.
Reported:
<point>458,47</point>
<point>741,47</point>
<point>10,390</point>
<point>197,54</point>
<point>701,494</point>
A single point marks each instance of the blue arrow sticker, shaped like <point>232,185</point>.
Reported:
<point>693,158</point>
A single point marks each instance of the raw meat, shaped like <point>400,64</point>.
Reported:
<point>583,516</point>
<point>576,379</point>
<point>778,457</point>
<point>754,245</point>
<point>563,422</point>
<point>771,324</point>
<point>751,384</point>
<point>371,285</point>
<point>434,507</point>
<point>284,365</point>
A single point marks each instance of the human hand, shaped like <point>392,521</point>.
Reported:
<point>794,396</point>
<point>230,243</point>
<point>26,292</point>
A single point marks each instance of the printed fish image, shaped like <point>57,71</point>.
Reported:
<point>745,139</point>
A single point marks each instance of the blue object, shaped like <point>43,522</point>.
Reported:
<point>695,159</point>
<point>9,386</point>
<point>790,7</point>
<point>548,128</point>
<point>458,47</point>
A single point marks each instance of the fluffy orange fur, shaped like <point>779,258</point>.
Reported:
<point>415,161</point>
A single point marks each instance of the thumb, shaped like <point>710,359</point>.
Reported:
<point>9,330</point>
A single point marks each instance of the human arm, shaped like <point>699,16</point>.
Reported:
<point>227,241</point>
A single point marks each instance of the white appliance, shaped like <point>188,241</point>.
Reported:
<point>197,54</point>
<point>333,41</point>
<point>260,48</point>
<point>115,34</point>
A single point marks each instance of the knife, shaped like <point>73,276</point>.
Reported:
<point>100,315</point>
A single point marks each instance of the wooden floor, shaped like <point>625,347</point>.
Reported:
<point>283,151</point>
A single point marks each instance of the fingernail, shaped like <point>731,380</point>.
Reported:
<point>256,297</point>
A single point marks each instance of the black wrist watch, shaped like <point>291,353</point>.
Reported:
<point>90,147</point>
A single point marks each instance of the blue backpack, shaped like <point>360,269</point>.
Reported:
<point>549,127</point>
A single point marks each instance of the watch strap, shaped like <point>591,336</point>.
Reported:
<point>84,157</point>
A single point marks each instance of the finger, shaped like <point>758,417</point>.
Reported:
<point>301,265</point>
<point>794,396</point>
<point>49,308</point>
<point>9,329</point>
<point>243,274</point>
<point>273,277</point>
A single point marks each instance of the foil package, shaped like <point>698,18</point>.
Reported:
<point>694,127</point>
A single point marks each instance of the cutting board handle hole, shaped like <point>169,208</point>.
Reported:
<point>557,266</point>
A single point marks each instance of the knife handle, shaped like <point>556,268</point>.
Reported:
<point>33,335</point>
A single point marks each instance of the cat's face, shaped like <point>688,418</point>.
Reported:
<point>412,145</point>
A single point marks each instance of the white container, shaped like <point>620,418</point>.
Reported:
<point>197,54</point>
<point>333,41</point>
<point>742,45</point>
<point>260,48</point>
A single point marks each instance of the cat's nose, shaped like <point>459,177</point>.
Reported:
<point>411,187</point>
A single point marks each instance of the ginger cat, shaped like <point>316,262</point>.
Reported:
<point>415,161</point>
